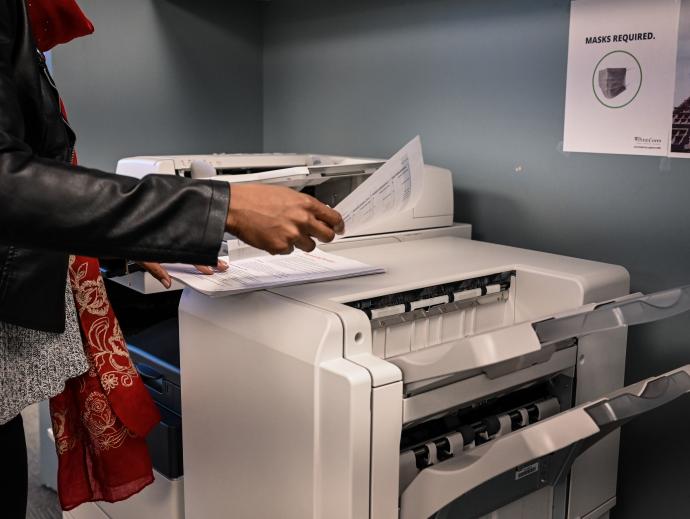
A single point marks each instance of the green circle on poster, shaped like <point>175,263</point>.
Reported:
<point>617,79</point>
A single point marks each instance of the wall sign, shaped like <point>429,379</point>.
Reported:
<point>621,88</point>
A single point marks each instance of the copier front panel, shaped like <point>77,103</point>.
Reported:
<point>451,415</point>
<point>436,389</point>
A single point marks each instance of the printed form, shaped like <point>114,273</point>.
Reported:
<point>261,272</point>
<point>393,188</point>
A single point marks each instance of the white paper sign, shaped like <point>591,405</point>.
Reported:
<point>621,76</point>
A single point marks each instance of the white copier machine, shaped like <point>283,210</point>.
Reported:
<point>470,380</point>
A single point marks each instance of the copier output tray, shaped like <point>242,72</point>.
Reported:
<point>497,351</point>
<point>570,433</point>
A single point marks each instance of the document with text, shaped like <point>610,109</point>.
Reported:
<point>257,273</point>
<point>393,188</point>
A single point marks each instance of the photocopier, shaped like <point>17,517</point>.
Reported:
<point>470,380</point>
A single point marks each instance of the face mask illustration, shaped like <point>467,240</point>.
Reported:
<point>612,81</point>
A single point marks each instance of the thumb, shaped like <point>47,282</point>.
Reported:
<point>158,272</point>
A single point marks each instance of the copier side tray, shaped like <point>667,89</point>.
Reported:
<point>627,311</point>
<point>536,342</point>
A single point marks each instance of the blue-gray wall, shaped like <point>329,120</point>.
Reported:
<point>483,82</point>
<point>163,77</point>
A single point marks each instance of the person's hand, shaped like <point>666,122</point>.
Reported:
<point>158,272</point>
<point>277,219</point>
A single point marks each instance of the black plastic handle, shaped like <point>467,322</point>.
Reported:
<point>150,376</point>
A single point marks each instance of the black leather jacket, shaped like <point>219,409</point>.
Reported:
<point>49,209</point>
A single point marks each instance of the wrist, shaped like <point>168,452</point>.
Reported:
<point>231,223</point>
<point>231,218</point>
<point>235,209</point>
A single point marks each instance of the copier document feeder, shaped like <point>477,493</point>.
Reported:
<point>470,380</point>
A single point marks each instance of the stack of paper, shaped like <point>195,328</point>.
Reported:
<point>250,274</point>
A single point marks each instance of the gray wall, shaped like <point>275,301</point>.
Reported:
<point>483,83</point>
<point>164,76</point>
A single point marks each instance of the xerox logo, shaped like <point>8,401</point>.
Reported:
<point>647,143</point>
<point>647,140</point>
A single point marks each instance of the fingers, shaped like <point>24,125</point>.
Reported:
<point>158,272</point>
<point>221,266</point>
<point>329,216</point>
<point>305,243</point>
<point>320,231</point>
<point>278,219</point>
<point>282,249</point>
<point>300,235</point>
<point>204,269</point>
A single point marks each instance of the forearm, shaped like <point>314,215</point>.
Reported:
<point>45,204</point>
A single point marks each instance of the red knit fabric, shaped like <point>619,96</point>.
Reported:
<point>101,419</point>
<point>57,21</point>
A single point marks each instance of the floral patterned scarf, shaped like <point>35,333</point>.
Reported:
<point>101,419</point>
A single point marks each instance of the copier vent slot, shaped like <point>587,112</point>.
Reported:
<point>460,430</point>
<point>416,319</point>
<point>228,171</point>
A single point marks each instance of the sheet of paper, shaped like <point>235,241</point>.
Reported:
<point>262,272</point>
<point>393,188</point>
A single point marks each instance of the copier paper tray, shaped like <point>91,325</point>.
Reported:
<point>155,353</point>
<point>565,435</point>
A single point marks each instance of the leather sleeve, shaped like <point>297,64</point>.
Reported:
<point>46,204</point>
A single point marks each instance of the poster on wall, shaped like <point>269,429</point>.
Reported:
<point>621,84</point>
<point>680,129</point>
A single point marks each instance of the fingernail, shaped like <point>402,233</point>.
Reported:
<point>167,283</point>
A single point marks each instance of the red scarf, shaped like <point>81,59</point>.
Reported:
<point>101,419</point>
<point>57,21</point>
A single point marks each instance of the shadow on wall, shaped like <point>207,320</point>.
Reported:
<point>337,11</point>
<point>469,208</point>
<point>218,76</point>
<point>654,455</point>
<point>239,18</point>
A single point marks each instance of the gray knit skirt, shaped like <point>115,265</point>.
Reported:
<point>34,365</point>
